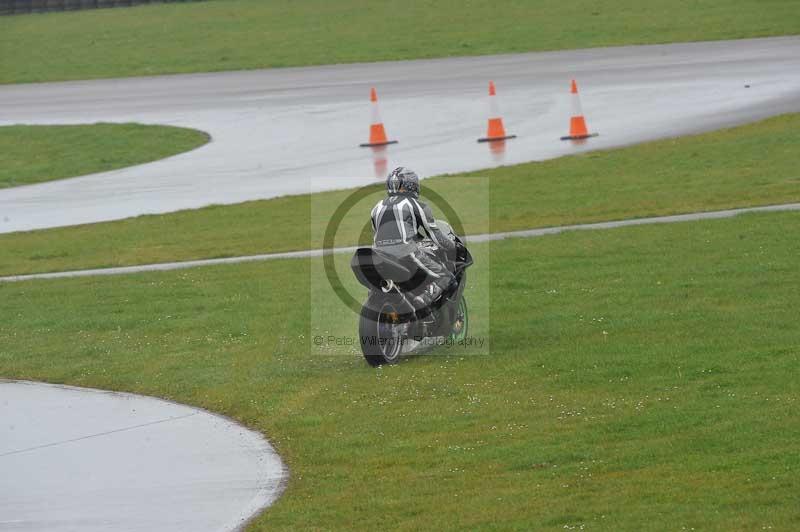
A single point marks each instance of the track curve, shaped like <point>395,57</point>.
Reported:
<point>296,130</point>
<point>84,459</point>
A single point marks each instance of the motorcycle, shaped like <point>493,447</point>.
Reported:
<point>390,326</point>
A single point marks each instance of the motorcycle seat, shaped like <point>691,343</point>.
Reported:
<point>373,266</point>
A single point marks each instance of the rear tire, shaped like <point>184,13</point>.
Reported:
<point>381,340</point>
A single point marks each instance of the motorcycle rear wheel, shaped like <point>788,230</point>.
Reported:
<point>381,340</point>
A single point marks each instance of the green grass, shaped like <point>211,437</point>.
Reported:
<point>34,154</point>
<point>245,34</point>
<point>749,165</point>
<point>636,376</point>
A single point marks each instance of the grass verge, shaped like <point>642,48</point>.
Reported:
<point>245,34</point>
<point>635,374</point>
<point>755,164</point>
<point>34,154</point>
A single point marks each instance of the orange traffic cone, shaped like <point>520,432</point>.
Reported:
<point>577,124</point>
<point>377,134</point>
<point>495,130</point>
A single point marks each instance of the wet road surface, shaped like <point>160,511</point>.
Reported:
<point>81,459</point>
<point>294,130</point>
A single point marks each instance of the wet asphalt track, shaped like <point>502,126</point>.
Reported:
<point>295,130</point>
<point>89,460</point>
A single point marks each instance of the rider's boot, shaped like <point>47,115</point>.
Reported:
<point>428,296</point>
<point>432,292</point>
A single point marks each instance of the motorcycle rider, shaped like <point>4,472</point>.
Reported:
<point>404,226</point>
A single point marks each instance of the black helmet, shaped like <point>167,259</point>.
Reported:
<point>403,180</point>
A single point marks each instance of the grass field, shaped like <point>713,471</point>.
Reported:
<point>754,164</point>
<point>244,34</point>
<point>637,377</point>
<point>34,154</point>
